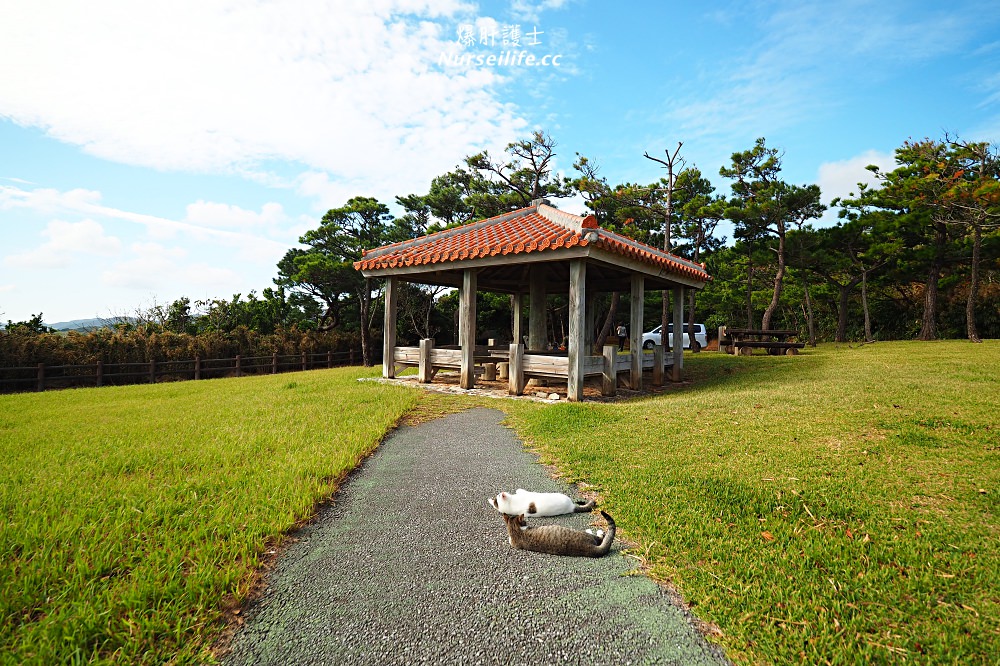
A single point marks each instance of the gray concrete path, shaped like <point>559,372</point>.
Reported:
<point>410,565</point>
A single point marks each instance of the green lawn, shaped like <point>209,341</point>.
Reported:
<point>131,517</point>
<point>839,506</point>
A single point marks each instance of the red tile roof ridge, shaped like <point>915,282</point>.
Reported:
<point>531,229</point>
<point>575,222</point>
<point>451,231</point>
<point>643,247</point>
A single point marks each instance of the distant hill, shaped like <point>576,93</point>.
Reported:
<point>83,324</point>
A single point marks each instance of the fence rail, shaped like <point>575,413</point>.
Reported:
<point>42,377</point>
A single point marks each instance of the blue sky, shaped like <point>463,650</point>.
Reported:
<point>152,151</point>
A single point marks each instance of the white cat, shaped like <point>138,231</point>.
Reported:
<point>533,505</point>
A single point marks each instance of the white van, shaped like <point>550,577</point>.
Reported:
<point>653,337</point>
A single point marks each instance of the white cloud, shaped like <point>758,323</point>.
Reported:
<point>810,58</point>
<point>840,179</point>
<point>66,241</point>
<point>88,203</point>
<point>214,279</point>
<point>6,287</point>
<point>531,11</point>
<point>351,88</point>
<point>227,216</point>
<point>150,266</point>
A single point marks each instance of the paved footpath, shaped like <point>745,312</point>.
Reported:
<point>410,565</point>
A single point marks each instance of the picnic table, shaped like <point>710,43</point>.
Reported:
<point>742,341</point>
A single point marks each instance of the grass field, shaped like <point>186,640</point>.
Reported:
<point>835,507</point>
<point>839,506</point>
<point>131,517</point>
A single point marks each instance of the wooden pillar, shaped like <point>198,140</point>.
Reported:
<point>389,329</point>
<point>576,349</point>
<point>515,369</point>
<point>467,327</point>
<point>100,373</point>
<point>517,308</point>
<point>635,331</point>
<point>425,371</point>
<point>590,322</point>
<point>609,380</point>
<point>536,296</point>
<point>678,344</point>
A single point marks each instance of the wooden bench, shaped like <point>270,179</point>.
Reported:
<point>742,341</point>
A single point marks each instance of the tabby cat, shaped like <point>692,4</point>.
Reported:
<point>558,539</point>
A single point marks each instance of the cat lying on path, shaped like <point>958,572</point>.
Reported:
<point>557,539</point>
<point>535,505</point>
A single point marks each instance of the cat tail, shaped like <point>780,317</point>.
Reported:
<point>609,536</point>
<point>586,507</point>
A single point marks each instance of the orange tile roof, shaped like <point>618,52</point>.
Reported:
<point>537,228</point>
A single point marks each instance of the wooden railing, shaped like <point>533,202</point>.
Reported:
<point>41,377</point>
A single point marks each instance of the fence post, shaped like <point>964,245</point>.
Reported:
<point>425,371</point>
<point>657,365</point>
<point>197,367</point>
<point>515,370</point>
<point>329,358</point>
<point>609,377</point>
<point>274,363</point>
<point>239,370</point>
<point>303,360</point>
<point>41,376</point>
<point>100,373</point>
<point>352,355</point>
<point>152,371</point>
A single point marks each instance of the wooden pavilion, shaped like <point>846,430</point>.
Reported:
<point>530,253</point>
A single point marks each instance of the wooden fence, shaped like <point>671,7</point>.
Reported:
<point>41,377</point>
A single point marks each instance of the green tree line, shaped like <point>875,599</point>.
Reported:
<point>916,255</point>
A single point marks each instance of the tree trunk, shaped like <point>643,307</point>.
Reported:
<point>365,304</point>
<point>778,280</point>
<point>864,307</point>
<point>928,323</point>
<point>666,316</point>
<point>691,339</point>
<point>844,292</point>
<point>970,304</point>
<point>810,319</point>
<point>608,321</point>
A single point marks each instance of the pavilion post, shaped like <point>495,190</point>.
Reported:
<point>389,330</point>
<point>678,337</point>
<point>638,297</point>
<point>590,323</point>
<point>467,327</point>
<point>576,349</point>
<point>536,321</point>
<point>517,307</point>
